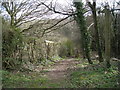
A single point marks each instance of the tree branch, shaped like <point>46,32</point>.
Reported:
<point>59,27</point>
<point>54,25</point>
<point>53,9</point>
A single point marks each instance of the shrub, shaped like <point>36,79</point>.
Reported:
<point>66,49</point>
<point>11,46</point>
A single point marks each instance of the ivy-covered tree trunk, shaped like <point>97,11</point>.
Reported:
<point>80,19</point>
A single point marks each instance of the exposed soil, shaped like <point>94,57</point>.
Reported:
<point>59,72</point>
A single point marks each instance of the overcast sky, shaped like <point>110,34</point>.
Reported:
<point>65,2</point>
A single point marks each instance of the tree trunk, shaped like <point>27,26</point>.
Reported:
<point>80,19</point>
<point>93,8</point>
<point>107,36</point>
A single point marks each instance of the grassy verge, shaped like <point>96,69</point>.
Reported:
<point>98,78</point>
<point>20,80</point>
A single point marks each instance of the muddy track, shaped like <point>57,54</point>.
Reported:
<point>60,71</point>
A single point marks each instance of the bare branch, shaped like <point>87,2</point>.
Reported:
<point>54,25</point>
<point>53,9</point>
<point>60,26</point>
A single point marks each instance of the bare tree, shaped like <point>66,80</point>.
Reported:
<point>107,35</point>
<point>93,8</point>
<point>22,12</point>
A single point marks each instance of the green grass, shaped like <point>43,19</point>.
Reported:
<point>17,80</point>
<point>51,85</point>
<point>99,78</point>
<point>57,84</point>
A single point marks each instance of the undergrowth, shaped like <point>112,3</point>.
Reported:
<point>99,78</point>
<point>20,80</point>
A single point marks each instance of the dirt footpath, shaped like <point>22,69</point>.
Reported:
<point>58,73</point>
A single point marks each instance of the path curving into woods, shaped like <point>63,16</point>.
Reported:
<point>59,72</point>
